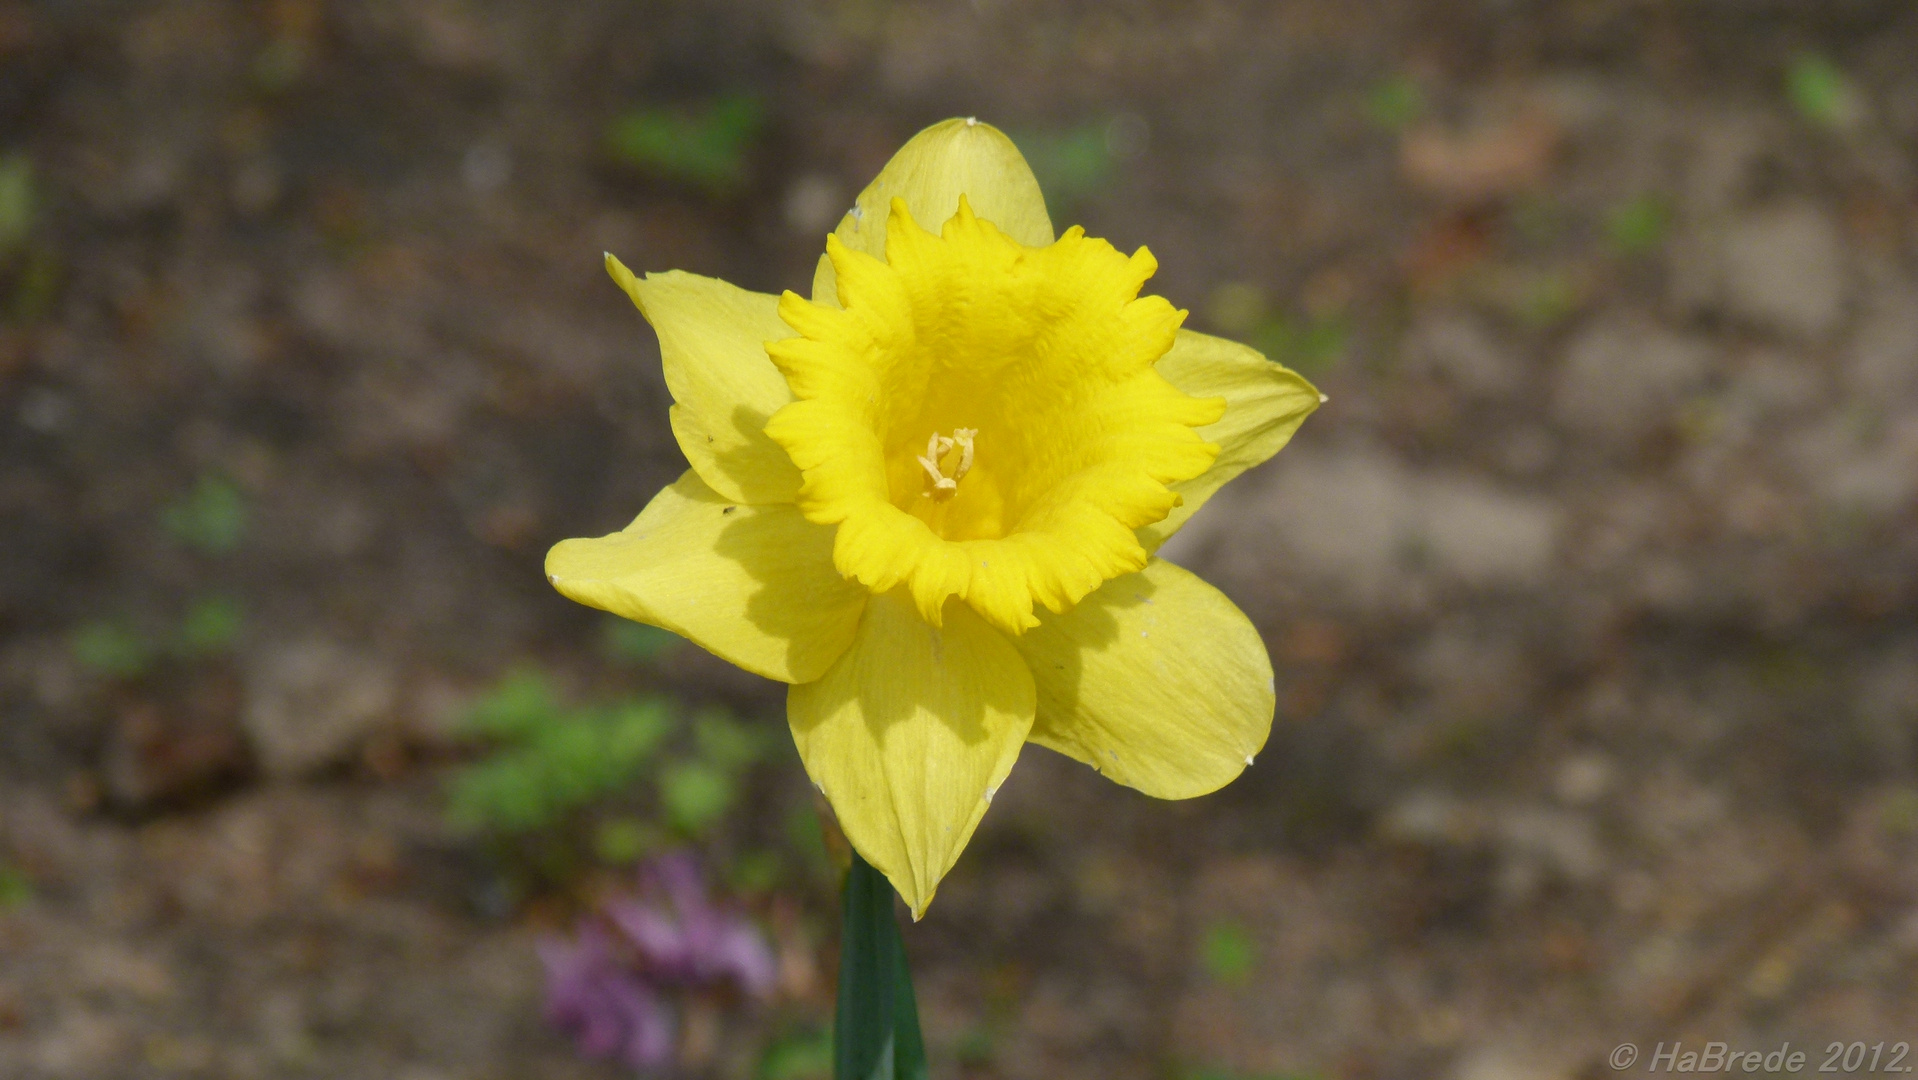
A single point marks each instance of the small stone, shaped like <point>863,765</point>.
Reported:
<point>1377,527</point>
<point>310,704</point>
<point>1881,364</point>
<point>1784,270</point>
<point>1624,376</point>
<point>1461,350</point>
<point>1583,779</point>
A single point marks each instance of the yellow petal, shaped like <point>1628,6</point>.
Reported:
<point>712,339</point>
<point>1264,404</point>
<point>910,734</point>
<point>753,585</point>
<point>949,159</point>
<point>1156,680</point>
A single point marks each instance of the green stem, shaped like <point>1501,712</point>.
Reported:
<point>876,1033</point>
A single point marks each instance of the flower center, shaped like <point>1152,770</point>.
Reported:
<point>1039,361</point>
<point>937,448</point>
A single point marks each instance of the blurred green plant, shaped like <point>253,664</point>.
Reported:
<point>706,146</point>
<point>550,759</point>
<point>1236,307</point>
<point>726,742</point>
<point>1823,94</point>
<point>210,519</point>
<point>1227,953</point>
<point>278,66</point>
<point>802,1055</point>
<point>16,201</point>
<point>1395,103</point>
<point>695,794</point>
<point>112,648</point>
<point>16,888</point>
<point>1546,299</point>
<point>624,639</point>
<point>1639,225</point>
<point>211,627</point>
<point>621,841</point>
<point>1538,219</point>
<point>1308,346</point>
<point>754,872</point>
<point>1070,165</point>
<point>1228,1074</point>
<point>807,838</point>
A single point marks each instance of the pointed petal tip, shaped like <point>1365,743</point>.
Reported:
<point>1323,398</point>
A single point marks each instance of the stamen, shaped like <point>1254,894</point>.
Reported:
<point>937,447</point>
<point>963,436</point>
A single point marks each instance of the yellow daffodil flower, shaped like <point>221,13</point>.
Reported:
<point>928,498</point>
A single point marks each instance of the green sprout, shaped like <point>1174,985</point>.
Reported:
<point>1070,165</point>
<point>704,147</point>
<point>1639,226</point>
<point>210,519</point>
<point>16,201</point>
<point>1227,953</point>
<point>16,888</point>
<point>212,626</point>
<point>1823,94</point>
<point>1396,103</point>
<point>110,647</point>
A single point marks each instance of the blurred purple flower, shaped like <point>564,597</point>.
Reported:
<point>604,988</point>
<point>604,1004</point>
<point>699,943</point>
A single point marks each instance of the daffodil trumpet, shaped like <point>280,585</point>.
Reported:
<point>928,496</point>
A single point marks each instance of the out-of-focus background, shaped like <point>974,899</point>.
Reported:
<point>1591,592</point>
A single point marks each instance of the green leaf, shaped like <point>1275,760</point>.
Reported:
<point>695,794</point>
<point>705,147</point>
<point>112,648</point>
<point>210,519</point>
<point>876,1030</point>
